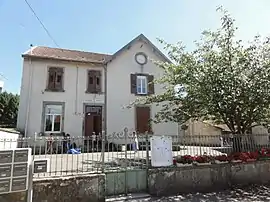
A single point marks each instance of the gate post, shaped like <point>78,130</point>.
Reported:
<point>147,158</point>
<point>126,135</point>
<point>102,150</point>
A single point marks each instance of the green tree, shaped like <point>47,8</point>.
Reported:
<point>8,109</point>
<point>223,80</point>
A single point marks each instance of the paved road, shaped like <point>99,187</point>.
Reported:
<point>249,194</point>
<point>66,164</point>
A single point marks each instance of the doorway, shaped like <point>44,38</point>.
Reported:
<point>93,121</point>
<point>92,128</point>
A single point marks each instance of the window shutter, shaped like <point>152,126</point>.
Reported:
<point>91,81</point>
<point>55,78</point>
<point>133,83</point>
<point>142,119</point>
<point>51,79</point>
<point>151,85</point>
<point>59,80</point>
<point>98,81</point>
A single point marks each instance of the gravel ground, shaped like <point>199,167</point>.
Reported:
<point>252,193</point>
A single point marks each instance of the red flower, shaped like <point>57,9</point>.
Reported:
<point>221,158</point>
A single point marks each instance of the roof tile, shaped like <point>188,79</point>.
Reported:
<point>66,54</point>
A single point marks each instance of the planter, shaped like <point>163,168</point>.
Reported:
<point>264,158</point>
<point>183,164</point>
<point>201,164</point>
<point>251,160</point>
<point>221,162</point>
<point>236,161</point>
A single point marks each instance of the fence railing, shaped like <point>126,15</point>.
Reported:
<point>112,153</point>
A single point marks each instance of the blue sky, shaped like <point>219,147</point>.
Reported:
<point>105,26</point>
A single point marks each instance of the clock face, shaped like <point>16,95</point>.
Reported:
<point>141,58</point>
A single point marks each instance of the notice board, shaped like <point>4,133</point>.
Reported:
<point>161,151</point>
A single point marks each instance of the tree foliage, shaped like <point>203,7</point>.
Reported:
<point>224,80</point>
<point>9,104</point>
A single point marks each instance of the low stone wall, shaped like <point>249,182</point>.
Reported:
<point>170,181</point>
<point>83,188</point>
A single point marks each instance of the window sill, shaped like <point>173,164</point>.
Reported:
<point>94,92</point>
<point>141,95</point>
<point>54,90</point>
<point>150,133</point>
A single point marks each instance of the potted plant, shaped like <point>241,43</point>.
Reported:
<point>184,161</point>
<point>253,156</point>
<point>263,154</point>
<point>202,160</point>
<point>221,159</point>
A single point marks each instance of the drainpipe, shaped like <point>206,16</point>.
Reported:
<point>105,116</point>
<point>29,94</point>
<point>105,97</point>
<point>76,92</point>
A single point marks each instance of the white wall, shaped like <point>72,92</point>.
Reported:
<point>73,108</point>
<point>119,94</point>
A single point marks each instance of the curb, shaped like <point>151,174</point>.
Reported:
<point>120,198</point>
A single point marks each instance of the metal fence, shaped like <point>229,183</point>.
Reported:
<point>115,152</point>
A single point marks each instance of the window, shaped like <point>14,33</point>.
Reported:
<point>142,84</point>
<point>143,118</point>
<point>94,81</point>
<point>55,79</point>
<point>53,119</point>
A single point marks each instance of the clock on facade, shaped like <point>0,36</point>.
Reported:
<point>141,58</point>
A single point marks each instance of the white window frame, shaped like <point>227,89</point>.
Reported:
<point>141,81</point>
<point>53,118</point>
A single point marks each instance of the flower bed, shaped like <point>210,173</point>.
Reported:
<point>238,157</point>
<point>184,161</point>
<point>202,160</point>
<point>221,159</point>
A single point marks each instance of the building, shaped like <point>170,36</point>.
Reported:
<point>82,92</point>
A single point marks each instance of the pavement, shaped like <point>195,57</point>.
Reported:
<point>248,194</point>
<point>68,164</point>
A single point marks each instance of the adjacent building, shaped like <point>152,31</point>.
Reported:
<point>82,93</point>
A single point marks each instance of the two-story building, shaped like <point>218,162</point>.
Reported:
<point>83,92</point>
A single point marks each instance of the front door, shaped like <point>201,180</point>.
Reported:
<point>93,120</point>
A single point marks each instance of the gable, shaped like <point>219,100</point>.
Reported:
<point>140,38</point>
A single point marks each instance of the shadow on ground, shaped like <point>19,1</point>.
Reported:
<point>248,194</point>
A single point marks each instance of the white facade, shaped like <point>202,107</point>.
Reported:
<point>74,98</point>
<point>119,95</point>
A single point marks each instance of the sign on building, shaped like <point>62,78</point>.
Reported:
<point>14,170</point>
<point>41,165</point>
<point>161,151</point>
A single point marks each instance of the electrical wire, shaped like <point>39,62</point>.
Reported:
<point>2,75</point>
<point>46,30</point>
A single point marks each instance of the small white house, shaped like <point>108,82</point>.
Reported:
<point>83,92</point>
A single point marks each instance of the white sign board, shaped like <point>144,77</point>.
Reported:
<point>161,151</point>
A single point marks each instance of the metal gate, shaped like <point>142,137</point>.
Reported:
<point>126,170</point>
